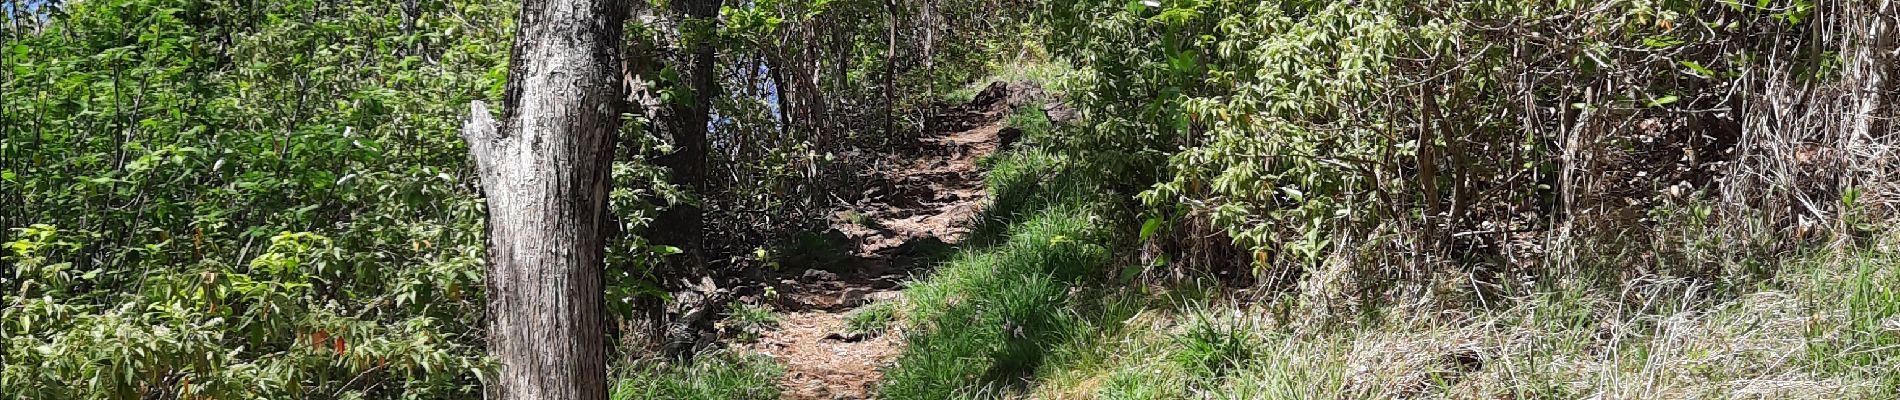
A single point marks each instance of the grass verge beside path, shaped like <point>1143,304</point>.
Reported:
<point>721,374</point>
<point>1828,327</point>
<point>1030,308</point>
<point>1825,329</point>
<point>984,322</point>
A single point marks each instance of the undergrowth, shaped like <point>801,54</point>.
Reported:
<point>872,319</point>
<point>1017,320</point>
<point>1823,330</point>
<point>719,375</point>
<point>1033,307</point>
<point>750,321</point>
<point>983,322</point>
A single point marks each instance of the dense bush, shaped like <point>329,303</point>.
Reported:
<point>211,199</point>
<point>1389,137</point>
<point>268,199</point>
<point>1572,199</point>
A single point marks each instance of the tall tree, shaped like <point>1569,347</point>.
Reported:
<point>683,225</point>
<point>545,171</point>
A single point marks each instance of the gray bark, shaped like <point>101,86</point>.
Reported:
<point>1871,43</point>
<point>545,173</point>
<point>890,73</point>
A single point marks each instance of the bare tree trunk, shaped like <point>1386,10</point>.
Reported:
<point>890,74</point>
<point>787,115</point>
<point>683,225</point>
<point>1871,43</point>
<point>545,172</point>
<point>410,11</point>
<point>929,9</point>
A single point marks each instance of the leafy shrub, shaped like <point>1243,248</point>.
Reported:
<point>1396,135</point>
<point>256,200</point>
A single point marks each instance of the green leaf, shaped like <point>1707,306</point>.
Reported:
<point>1183,62</point>
<point>1177,16</point>
<point>1661,42</point>
<point>1149,228</point>
<point>1849,197</point>
<point>1130,272</point>
<point>1698,69</point>
<point>1663,101</point>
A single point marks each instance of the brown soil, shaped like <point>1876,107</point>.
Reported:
<point>917,206</point>
<point>819,365</point>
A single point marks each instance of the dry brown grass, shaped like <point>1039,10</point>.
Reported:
<point>1827,327</point>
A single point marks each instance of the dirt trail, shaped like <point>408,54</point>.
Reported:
<point>916,208</point>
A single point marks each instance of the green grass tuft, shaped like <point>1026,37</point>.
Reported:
<point>1211,347</point>
<point>1032,120</point>
<point>750,320</point>
<point>718,375</point>
<point>872,319</point>
<point>985,319</point>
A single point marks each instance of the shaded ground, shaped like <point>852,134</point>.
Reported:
<point>913,213</point>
